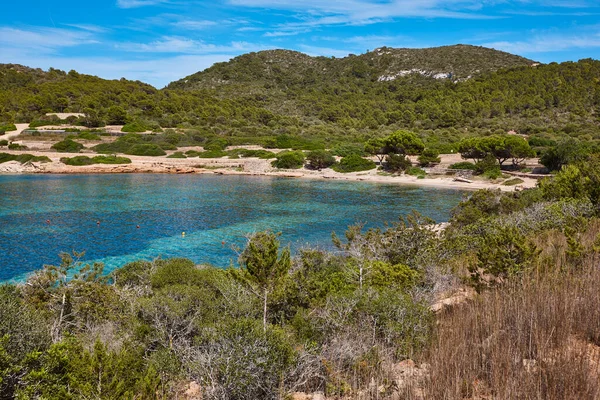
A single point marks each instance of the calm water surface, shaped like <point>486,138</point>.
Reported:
<point>209,209</point>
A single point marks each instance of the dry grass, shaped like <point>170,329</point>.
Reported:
<point>532,339</point>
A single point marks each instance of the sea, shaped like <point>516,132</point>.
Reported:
<point>119,218</point>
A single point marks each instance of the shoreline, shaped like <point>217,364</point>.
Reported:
<point>248,167</point>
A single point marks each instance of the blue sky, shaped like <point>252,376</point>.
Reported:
<point>158,41</point>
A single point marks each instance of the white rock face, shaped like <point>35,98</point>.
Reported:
<point>430,74</point>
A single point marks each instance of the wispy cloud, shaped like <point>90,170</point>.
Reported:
<point>183,45</point>
<point>44,40</point>
<point>363,12</point>
<point>139,3</point>
<point>551,41</point>
<point>89,27</point>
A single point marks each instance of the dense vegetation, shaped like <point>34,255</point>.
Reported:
<point>323,102</point>
<point>339,321</point>
<point>85,160</point>
<point>22,158</point>
<point>331,321</point>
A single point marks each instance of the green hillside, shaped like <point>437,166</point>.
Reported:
<point>443,94</point>
<point>287,69</point>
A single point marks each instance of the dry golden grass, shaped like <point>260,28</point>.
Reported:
<point>537,337</point>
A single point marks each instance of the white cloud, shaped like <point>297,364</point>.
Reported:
<point>547,42</point>
<point>139,3</point>
<point>44,40</point>
<point>175,44</point>
<point>88,27</point>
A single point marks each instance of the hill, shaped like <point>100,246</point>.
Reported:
<point>443,94</point>
<point>285,68</point>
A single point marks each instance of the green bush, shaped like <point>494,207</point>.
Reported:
<point>416,171</point>
<point>464,165</point>
<point>22,158</point>
<point>8,128</point>
<point>289,160</point>
<point>212,154</point>
<point>262,154</point>
<point>353,163</point>
<point>488,167</point>
<point>85,135</point>
<point>396,163</point>
<point>148,149</point>
<point>3,143</point>
<point>218,144</point>
<point>133,127</point>
<point>428,157</point>
<point>319,159</point>
<point>85,160</point>
<point>77,161</point>
<point>513,181</point>
<point>67,146</point>
<point>16,146</point>
<point>346,149</point>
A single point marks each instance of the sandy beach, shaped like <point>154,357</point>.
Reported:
<point>244,166</point>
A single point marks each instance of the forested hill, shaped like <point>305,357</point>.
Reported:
<point>268,94</point>
<point>287,69</point>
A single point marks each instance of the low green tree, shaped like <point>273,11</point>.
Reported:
<point>264,266</point>
<point>429,157</point>
<point>319,159</point>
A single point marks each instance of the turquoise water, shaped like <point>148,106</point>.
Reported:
<point>209,209</point>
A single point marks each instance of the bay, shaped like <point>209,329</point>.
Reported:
<point>121,218</point>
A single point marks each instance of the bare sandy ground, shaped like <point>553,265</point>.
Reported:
<point>244,166</point>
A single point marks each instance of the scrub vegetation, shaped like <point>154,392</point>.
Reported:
<point>338,322</point>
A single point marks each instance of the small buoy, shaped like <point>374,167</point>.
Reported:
<point>223,243</point>
<point>97,222</point>
<point>48,221</point>
<point>182,233</point>
<point>137,226</point>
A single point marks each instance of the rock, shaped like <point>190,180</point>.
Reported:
<point>318,396</point>
<point>193,391</point>
<point>456,298</point>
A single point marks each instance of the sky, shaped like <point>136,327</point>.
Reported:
<point>159,41</point>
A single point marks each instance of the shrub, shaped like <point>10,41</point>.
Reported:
<point>67,146</point>
<point>133,127</point>
<point>488,167</point>
<point>16,146</point>
<point>87,136</point>
<point>77,161</point>
<point>3,143</point>
<point>8,128</point>
<point>85,160</point>
<point>319,159</point>
<point>513,181</point>
<point>428,157</point>
<point>464,165</point>
<point>353,163</point>
<point>289,160</point>
<point>396,163</point>
<point>416,171</point>
<point>346,149</point>
<point>218,144</point>
<point>212,154</point>
<point>22,158</point>
<point>148,149</point>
